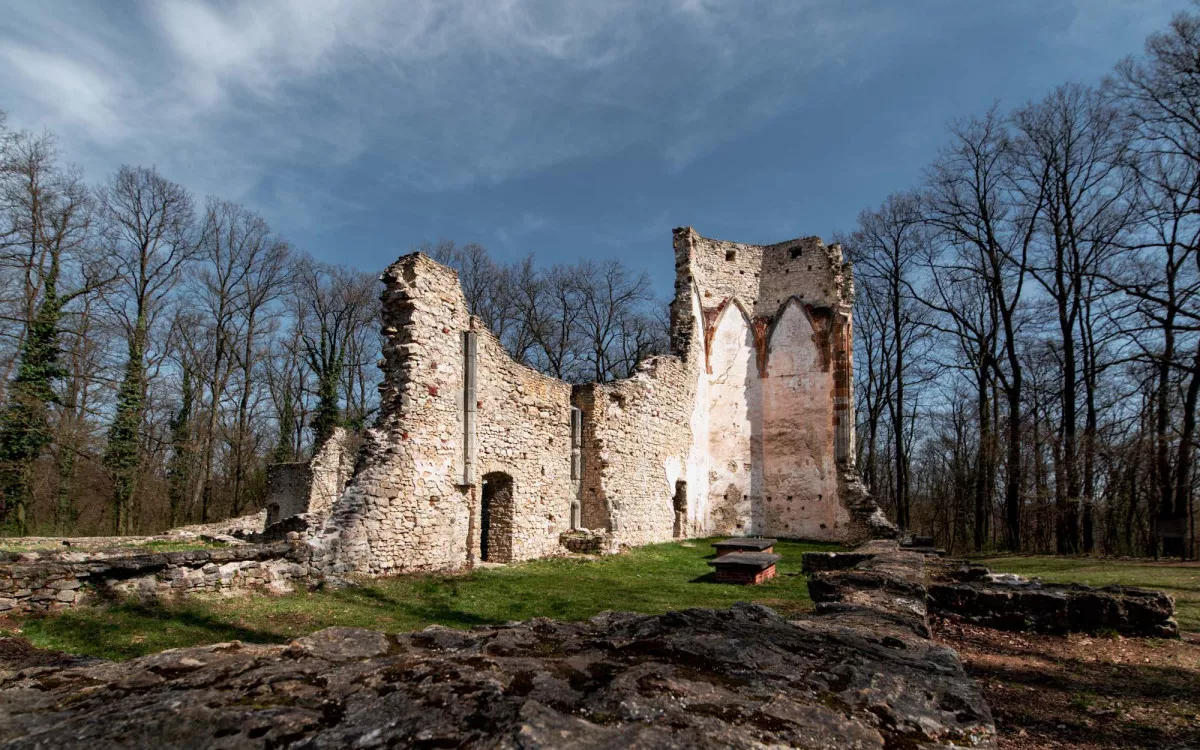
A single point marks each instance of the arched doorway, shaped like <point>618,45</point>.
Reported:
<point>496,518</point>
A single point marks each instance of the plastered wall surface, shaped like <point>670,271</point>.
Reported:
<point>799,470</point>
<point>744,428</point>
<point>735,418</point>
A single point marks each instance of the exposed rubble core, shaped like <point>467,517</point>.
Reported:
<point>308,488</point>
<point>745,428</point>
<point>861,676</point>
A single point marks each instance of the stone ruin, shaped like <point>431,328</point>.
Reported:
<point>301,494</point>
<point>745,428</point>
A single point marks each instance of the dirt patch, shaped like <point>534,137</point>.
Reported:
<point>1079,691</point>
<point>18,653</point>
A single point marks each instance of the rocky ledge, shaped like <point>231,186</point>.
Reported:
<point>742,677</point>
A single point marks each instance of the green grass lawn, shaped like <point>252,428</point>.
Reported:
<point>651,579</point>
<point>1180,580</point>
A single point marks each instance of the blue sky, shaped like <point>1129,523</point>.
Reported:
<point>567,129</point>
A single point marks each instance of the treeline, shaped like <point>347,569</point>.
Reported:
<point>1028,321</point>
<point>157,353</point>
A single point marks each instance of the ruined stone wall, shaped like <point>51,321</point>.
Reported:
<point>773,324</point>
<point>800,488</point>
<point>737,431</point>
<point>636,445</point>
<point>43,581</point>
<point>309,487</point>
<point>523,430</point>
<point>287,491</point>
<point>403,510</point>
<point>416,502</point>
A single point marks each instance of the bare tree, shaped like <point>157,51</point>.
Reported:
<point>1072,154</point>
<point>335,304</point>
<point>608,294</point>
<point>887,247</point>
<point>988,231</point>
<point>1161,95</point>
<point>149,227</point>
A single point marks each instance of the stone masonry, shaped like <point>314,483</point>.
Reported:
<point>51,580</point>
<point>744,428</point>
<point>309,488</point>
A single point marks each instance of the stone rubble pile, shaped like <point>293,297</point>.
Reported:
<point>957,589</point>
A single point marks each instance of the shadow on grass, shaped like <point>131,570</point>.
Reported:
<point>106,630</point>
<point>435,604</point>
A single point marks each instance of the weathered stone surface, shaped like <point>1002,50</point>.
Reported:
<point>742,677</point>
<point>1015,603</point>
<point>885,577</point>
<point>47,580</point>
<point>586,541</point>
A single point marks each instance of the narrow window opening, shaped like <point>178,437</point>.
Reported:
<point>679,505</point>
<point>795,253</point>
<point>731,255</point>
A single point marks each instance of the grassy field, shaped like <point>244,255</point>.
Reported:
<point>1180,580</point>
<point>651,579</point>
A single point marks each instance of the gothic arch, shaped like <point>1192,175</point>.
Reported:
<point>714,316</point>
<point>820,322</point>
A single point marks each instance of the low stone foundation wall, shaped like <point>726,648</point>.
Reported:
<point>959,590</point>
<point>41,581</point>
<point>1009,602</point>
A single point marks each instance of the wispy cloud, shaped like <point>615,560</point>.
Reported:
<point>315,108</point>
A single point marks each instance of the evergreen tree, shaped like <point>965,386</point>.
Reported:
<point>24,424</point>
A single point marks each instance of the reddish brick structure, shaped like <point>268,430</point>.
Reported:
<point>745,568</point>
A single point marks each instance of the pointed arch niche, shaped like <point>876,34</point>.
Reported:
<point>734,418</point>
<point>799,477</point>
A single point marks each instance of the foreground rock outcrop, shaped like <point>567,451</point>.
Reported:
<point>742,677</point>
<point>911,583</point>
<point>1008,602</point>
